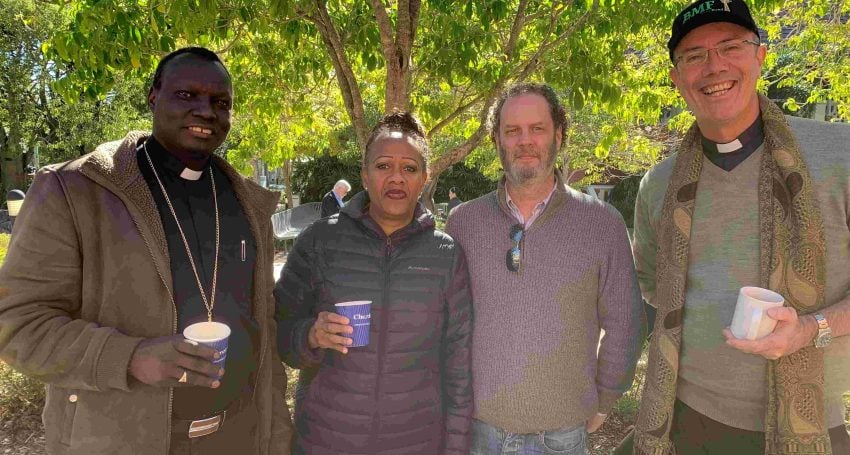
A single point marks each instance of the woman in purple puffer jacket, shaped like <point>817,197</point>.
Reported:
<point>409,390</point>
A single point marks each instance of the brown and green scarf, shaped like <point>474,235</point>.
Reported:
<point>792,252</point>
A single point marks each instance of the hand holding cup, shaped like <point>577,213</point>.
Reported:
<point>327,332</point>
<point>163,361</point>
<point>751,320</point>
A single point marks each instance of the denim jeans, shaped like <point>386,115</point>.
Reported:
<point>490,440</point>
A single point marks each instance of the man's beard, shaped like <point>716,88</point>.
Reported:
<point>522,174</point>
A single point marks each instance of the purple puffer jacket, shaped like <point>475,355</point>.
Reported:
<point>409,390</point>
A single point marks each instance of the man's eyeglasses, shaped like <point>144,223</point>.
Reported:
<point>513,257</point>
<point>728,50</point>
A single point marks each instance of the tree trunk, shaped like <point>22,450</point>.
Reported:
<point>427,197</point>
<point>12,168</point>
<point>344,73</point>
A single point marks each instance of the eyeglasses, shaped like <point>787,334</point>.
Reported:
<point>728,50</point>
<point>512,259</point>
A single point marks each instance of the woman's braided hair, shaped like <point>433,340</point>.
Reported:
<point>405,123</point>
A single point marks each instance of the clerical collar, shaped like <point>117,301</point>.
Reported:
<point>174,164</point>
<point>728,156</point>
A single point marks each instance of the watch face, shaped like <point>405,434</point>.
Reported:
<point>823,340</point>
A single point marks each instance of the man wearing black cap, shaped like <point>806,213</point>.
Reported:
<point>117,252</point>
<point>751,198</point>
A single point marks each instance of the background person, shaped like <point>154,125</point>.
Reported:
<point>332,202</point>
<point>454,201</point>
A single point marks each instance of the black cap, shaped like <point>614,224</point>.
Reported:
<point>704,12</point>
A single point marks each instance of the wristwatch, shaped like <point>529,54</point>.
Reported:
<point>824,336</point>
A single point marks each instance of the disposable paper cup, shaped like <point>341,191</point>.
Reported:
<point>359,314</point>
<point>751,321</point>
<point>212,334</point>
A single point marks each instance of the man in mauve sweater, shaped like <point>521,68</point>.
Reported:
<point>551,269</point>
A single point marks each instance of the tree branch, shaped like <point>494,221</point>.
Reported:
<point>457,112</point>
<point>345,76</point>
<point>545,46</point>
<point>385,29</point>
<point>516,28</point>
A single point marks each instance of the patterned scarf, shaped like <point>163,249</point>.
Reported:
<point>792,252</point>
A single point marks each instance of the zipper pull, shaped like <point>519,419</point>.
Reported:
<point>243,251</point>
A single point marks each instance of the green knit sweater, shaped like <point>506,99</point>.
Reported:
<point>716,380</point>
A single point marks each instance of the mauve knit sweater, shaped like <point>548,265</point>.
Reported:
<point>535,364</point>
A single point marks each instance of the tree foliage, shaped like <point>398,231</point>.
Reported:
<point>32,117</point>
<point>311,76</point>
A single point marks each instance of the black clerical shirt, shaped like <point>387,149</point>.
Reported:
<point>748,142</point>
<point>193,203</point>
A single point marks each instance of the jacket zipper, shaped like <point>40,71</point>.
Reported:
<point>383,335</point>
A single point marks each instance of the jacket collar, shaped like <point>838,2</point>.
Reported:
<point>114,166</point>
<point>357,208</point>
<point>116,163</point>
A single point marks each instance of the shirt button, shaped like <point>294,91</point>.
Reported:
<point>72,398</point>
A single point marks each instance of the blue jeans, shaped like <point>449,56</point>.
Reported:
<point>490,440</point>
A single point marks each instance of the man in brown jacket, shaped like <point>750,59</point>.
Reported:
<point>115,253</point>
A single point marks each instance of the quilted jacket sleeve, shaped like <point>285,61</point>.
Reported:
<point>456,360</point>
<point>295,298</point>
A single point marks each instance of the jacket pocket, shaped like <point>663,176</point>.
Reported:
<point>71,398</point>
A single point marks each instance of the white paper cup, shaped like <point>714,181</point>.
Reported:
<point>212,334</point>
<point>751,321</point>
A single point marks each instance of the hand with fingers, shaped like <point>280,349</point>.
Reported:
<point>326,332</point>
<point>174,361</point>
<point>595,422</point>
<point>792,333</point>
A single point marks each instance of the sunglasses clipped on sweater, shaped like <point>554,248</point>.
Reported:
<point>513,258</point>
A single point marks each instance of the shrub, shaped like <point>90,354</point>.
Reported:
<point>4,245</point>
<point>19,395</point>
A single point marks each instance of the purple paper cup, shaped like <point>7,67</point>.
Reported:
<point>359,314</point>
<point>212,334</point>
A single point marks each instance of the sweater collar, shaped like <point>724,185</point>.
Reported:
<point>556,200</point>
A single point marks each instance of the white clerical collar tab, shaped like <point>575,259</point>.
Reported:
<point>733,146</point>
<point>190,174</point>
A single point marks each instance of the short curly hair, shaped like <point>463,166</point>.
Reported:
<point>403,122</point>
<point>556,109</point>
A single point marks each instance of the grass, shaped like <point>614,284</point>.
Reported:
<point>19,395</point>
<point>847,410</point>
<point>4,245</point>
<point>627,405</point>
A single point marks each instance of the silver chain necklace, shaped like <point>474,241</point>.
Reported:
<point>209,303</point>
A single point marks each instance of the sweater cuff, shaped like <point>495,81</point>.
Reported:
<point>607,399</point>
<point>111,371</point>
